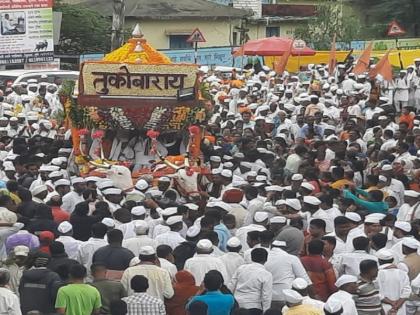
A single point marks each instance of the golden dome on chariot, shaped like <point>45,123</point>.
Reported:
<point>137,50</point>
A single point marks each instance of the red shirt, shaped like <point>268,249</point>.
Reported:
<point>322,275</point>
<point>59,215</point>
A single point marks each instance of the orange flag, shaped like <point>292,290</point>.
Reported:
<point>332,61</point>
<point>383,67</point>
<point>239,52</point>
<point>281,62</point>
<point>363,62</point>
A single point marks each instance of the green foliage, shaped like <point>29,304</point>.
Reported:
<point>82,30</point>
<point>382,12</point>
<point>329,20</point>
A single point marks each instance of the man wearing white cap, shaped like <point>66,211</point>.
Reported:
<point>203,262</point>
<point>410,210</point>
<point>232,259</point>
<point>71,245</point>
<point>301,286</point>
<point>137,213</point>
<point>39,193</point>
<point>260,221</point>
<point>394,184</point>
<point>160,285</point>
<point>113,197</point>
<point>172,238</point>
<point>394,284</point>
<point>254,203</point>
<point>296,307</point>
<point>284,268</point>
<point>72,198</point>
<point>313,211</point>
<point>347,287</point>
<point>141,228</point>
<point>402,231</point>
<point>410,247</point>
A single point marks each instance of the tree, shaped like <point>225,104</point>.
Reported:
<point>329,20</point>
<point>82,30</point>
<point>381,12</point>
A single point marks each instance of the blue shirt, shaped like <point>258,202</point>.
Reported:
<point>217,302</point>
<point>304,131</point>
<point>224,235</point>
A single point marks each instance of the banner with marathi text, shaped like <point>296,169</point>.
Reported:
<point>26,31</point>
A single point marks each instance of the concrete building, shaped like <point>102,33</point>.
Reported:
<point>168,23</point>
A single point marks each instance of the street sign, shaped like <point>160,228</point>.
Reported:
<point>299,44</point>
<point>196,37</point>
<point>395,29</point>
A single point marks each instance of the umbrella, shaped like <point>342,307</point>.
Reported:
<point>273,46</point>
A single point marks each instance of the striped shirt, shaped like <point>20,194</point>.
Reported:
<point>368,300</point>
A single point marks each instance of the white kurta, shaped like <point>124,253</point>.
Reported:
<point>9,302</point>
<point>170,238</point>
<point>408,213</point>
<point>232,261</point>
<point>350,262</point>
<point>134,244</point>
<point>242,233</point>
<point>401,91</point>
<point>71,245</point>
<point>394,284</point>
<point>70,200</point>
<point>87,249</point>
<point>200,264</point>
<point>252,286</point>
<point>285,268</point>
<point>346,299</point>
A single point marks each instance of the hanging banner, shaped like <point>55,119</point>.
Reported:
<point>26,31</point>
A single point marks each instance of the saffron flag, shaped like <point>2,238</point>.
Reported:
<point>281,62</point>
<point>383,67</point>
<point>239,52</point>
<point>332,60</point>
<point>363,62</point>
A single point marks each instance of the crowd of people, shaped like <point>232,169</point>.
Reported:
<point>312,205</point>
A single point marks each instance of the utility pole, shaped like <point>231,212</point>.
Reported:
<point>117,37</point>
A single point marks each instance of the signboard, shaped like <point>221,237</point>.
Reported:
<point>196,37</point>
<point>112,82</point>
<point>299,44</point>
<point>54,65</point>
<point>395,29</point>
<point>26,31</point>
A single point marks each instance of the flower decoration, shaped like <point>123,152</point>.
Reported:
<point>98,134</point>
<point>83,132</point>
<point>153,134</point>
<point>194,130</point>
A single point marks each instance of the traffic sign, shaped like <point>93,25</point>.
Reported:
<point>196,37</point>
<point>395,29</point>
<point>299,44</point>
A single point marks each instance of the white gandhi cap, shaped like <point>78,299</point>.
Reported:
<point>333,306</point>
<point>292,297</point>
<point>65,227</point>
<point>147,251</point>
<point>344,279</point>
<point>233,242</point>
<point>299,284</point>
<point>204,244</point>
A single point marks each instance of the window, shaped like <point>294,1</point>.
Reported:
<point>272,31</point>
<point>179,42</point>
<point>235,39</point>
